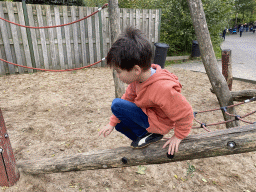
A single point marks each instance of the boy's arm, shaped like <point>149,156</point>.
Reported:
<point>178,110</point>
<point>180,132</point>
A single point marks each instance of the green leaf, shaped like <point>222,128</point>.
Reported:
<point>141,170</point>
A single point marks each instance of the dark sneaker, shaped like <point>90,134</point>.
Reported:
<point>146,140</point>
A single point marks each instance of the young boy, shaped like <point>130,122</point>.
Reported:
<point>152,104</point>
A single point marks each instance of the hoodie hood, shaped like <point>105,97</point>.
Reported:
<point>162,75</point>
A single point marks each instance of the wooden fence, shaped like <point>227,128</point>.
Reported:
<point>67,47</point>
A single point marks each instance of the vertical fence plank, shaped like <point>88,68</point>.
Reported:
<point>6,41</point>
<point>33,36</point>
<point>83,40</point>
<point>24,38</point>
<point>97,37</point>
<point>2,69</point>
<point>53,51</point>
<point>137,25</point>
<point>75,40</point>
<point>59,37</point>
<point>156,26</point>
<point>144,22</point>
<point>124,19</point>
<point>15,37</point>
<point>150,26</point>
<point>131,18</point>
<point>102,64</point>
<point>67,37</point>
<point>90,37</point>
<point>42,36</point>
<point>104,31</point>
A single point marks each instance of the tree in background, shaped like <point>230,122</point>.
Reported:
<point>245,11</point>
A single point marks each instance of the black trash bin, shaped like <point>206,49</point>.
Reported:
<point>195,49</point>
<point>160,54</point>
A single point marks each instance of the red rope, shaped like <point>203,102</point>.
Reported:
<point>219,123</point>
<point>104,6</point>
<point>50,69</point>
<point>222,122</point>
<point>220,108</point>
<point>240,118</point>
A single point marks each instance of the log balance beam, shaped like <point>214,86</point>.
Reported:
<point>218,143</point>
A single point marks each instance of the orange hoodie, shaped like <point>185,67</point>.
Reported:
<point>160,99</point>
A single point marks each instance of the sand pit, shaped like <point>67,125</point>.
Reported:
<point>55,114</point>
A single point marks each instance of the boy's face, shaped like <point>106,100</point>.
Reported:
<point>128,76</point>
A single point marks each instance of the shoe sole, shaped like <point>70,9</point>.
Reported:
<point>145,145</point>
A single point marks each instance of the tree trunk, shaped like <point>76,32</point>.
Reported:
<point>218,143</point>
<point>114,18</point>
<point>217,80</point>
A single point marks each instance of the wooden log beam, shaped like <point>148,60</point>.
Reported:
<point>218,143</point>
<point>243,95</point>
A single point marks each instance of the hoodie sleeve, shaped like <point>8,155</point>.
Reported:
<point>129,95</point>
<point>176,108</point>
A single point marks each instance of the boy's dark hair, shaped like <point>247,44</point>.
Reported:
<point>130,49</point>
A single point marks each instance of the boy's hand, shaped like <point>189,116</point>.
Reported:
<point>106,130</point>
<point>173,143</point>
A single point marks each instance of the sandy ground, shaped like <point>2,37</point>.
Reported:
<point>56,114</point>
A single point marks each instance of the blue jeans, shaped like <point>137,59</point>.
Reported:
<point>134,121</point>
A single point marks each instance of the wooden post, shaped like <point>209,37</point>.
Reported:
<point>9,174</point>
<point>227,67</point>
<point>217,80</point>
<point>212,144</point>
<point>114,19</point>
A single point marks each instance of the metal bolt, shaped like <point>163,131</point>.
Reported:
<point>170,156</point>
<point>6,135</point>
<point>124,160</point>
<point>231,144</point>
<point>1,150</point>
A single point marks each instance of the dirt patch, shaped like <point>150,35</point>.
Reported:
<point>56,114</point>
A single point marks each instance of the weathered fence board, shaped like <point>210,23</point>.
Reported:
<point>67,47</point>
<point>83,40</point>
<point>59,37</point>
<point>33,36</point>
<point>67,37</point>
<point>24,39</point>
<point>6,42</point>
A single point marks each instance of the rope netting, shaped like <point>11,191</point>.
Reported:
<point>224,109</point>
<point>45,27</point>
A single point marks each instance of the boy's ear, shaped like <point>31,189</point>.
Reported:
<point>137,69</point>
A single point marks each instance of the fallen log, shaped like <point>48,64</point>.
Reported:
<point>218,143</point>
<point>243,95</point>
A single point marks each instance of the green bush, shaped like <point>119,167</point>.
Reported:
<point>176,25</point>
